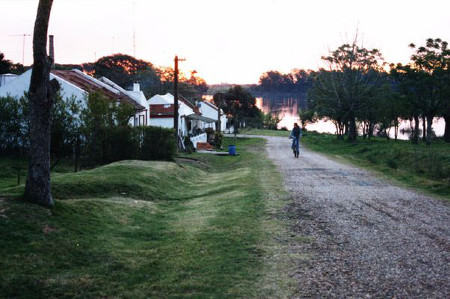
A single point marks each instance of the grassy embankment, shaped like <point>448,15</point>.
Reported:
<point>209,227</point>
<point>417,166</point>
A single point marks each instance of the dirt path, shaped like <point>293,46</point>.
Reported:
<point>368,238</point>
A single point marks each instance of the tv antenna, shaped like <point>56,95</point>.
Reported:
<point>23,48</point>
<point>134,29</point>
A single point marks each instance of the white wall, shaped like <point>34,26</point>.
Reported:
<point>162,122</point>
<point>6,78</point>
<point>16,88</point>
<point>199,138</point>
<point>223,122</point>
<point>208,111</point>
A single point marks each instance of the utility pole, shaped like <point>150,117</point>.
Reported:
<point>175,104</point>
<point>219,104</point>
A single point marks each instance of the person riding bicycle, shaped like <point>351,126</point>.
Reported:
<point>295,136</point>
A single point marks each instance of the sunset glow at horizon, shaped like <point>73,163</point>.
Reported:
<point>233,41</point>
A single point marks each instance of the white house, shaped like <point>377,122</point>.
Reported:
<point>6,78</point>
<point>209,110</point>
<point>192,119</point>
<point>77,84</point>
<point>17,87</point>
<point>162,113</point>
<point>142,117</point>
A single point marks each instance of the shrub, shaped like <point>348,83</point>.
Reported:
<point>124,142</point>
<point>210,134</point>
<point>158,144</point>
<point>218,138</point>
<point>13,125</point>
<point>188,145</point>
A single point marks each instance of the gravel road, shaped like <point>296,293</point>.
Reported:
<point>367,237</point>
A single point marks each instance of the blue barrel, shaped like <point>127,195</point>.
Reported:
<point>232,150</point>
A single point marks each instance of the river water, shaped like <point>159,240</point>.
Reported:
<point>287,108</point>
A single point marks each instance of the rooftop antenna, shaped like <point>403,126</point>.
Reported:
<point>134,29</point>
<point>23,49</point>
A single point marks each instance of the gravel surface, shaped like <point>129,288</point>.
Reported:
<point>367,237</point>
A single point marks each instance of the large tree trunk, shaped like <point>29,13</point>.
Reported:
<point>415,138</point>
<point>429,128</point>
<point>447,128</point>
<point>424,128</point>
<point>352,128</point>
<point>371,129</point>
<point>37,187</point>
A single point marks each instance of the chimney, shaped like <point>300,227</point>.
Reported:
<point>51,50</point>
<point>136,86</point>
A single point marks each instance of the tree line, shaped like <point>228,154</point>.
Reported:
<point>358,90</point>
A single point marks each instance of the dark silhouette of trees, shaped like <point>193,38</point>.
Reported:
<point>296,81</point>
<point>124,70</point>
<point>237,103</point>
<point>410,89</point>
<point>424,84</point>
<point>7,66</point>
<point>346,89</point>
<point>433,61</point>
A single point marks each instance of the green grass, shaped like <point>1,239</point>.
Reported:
<point>251,131</point>
<point>13,167</point>
<point>418,166</point>
<point>206,226</point>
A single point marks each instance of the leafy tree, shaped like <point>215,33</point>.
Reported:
<point>106,131</point>
<point>37,187</point>
<point>270,120</point>
<point>65,125</point>
<point>297,80</point>
<point>198,83</point>
<point>123,70</point>
<point>302,79</point>
<point>275,81</point>
<point>191,87</point>
<point>432,61</point>
<point>239,104</point>
<point>13,125</point>
<point>7,66</point>
<point>307,116</point>
<point>410,88</point>
<point>327,102</point>
<point>354,74</point>
<point>389,109</point>
<point>98,118</point>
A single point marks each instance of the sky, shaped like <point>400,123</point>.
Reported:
<point>225,41</point>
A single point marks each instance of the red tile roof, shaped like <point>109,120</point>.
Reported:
<point>91,84</point>
<point>161,111</point>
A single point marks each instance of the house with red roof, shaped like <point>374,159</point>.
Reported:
<point>74,83</point>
